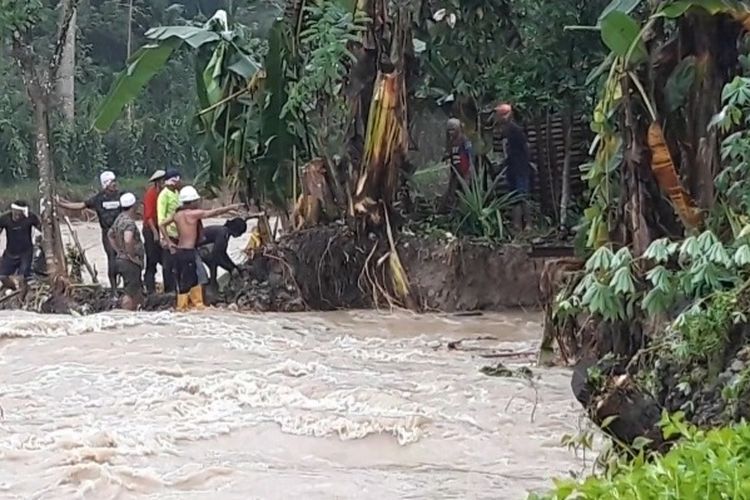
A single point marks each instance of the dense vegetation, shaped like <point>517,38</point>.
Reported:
<point>703,465</point>
<point>158,131</point>
<point>660,301</point>
<point>512,61</point>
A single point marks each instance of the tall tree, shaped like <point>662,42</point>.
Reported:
<point>17,20</point>
<point>65,84</point>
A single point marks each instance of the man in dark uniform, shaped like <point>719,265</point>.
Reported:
<point>106,204</point>
<point>214,243</point>
<point>19,250</point>
<point>518,172</point>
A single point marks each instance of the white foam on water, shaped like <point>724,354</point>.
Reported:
<point>147,405</point>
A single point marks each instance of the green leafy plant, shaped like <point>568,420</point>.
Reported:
<point>226,73</point>
<point>482,212</point>
<point>702,465</point>
<point>615,283</point>
<point>732,183</point>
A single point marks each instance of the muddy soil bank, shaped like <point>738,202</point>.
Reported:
<point>334,267</point>
<point>633,371</point>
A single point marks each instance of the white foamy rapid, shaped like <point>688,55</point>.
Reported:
<point>222,405</point>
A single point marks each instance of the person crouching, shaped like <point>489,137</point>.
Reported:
<point>188,220</point>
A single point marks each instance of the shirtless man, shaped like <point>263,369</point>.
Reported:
<point>189,226</point>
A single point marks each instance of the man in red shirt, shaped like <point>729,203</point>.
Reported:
<point>151,231</point>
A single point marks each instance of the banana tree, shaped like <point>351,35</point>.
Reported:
<point>227,78</point>
<point>665,75</point>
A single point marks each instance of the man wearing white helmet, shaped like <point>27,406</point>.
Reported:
<point>188,220</point>
<point>126,240</point>
<point>106,204</point>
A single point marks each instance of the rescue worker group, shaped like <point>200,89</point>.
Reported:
<point>173,236</point>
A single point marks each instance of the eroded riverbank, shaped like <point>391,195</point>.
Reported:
<point>359,404</point>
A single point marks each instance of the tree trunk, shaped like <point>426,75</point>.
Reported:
<point>636,170</point>
<point>65,84</point>
<point>130,51</point>
<point>52,240</point>
<point>713,42</point>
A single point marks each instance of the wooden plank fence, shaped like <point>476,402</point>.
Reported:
<point>546,137</point>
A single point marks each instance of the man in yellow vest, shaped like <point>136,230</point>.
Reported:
<point>166,206</point>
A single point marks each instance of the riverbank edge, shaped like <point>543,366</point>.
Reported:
<point>334,267</point>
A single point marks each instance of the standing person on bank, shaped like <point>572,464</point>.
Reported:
<point>188,220</point>
<point>518,172</point>
<point>106,204</point>
<point>167,204</point>
<point>126,240</point>
<point>460,155</point>
<point>19,249</point>
<point>151,231</point>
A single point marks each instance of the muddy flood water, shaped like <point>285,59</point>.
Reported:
<point>221,405</point>
<point>318,406</point>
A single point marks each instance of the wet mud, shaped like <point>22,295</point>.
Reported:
<point>334,267</point>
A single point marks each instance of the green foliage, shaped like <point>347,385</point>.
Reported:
<point>705,327</point>
<point>159,132</point>
<point>733,182</point>
<point>621,33</point>
<point>224,72</point>
<point>608,289</point>
<point>516,51</point>
<point>324,45</point>
<point>483,214</point>
<point>316,99</point>
<point>711,464</point>
<point>21,16</point>
<point>691,270</point>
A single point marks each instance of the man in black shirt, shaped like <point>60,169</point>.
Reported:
<point>19,250</point>
<point>106,204</point>
<point>518,172</point>
<point>214,243</point>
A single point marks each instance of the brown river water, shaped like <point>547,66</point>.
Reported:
<point>224,405</point>
<point>237,406</point>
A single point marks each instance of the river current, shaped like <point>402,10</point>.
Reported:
<point>236,406</point>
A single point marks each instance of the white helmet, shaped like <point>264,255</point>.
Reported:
<point>127,200</point>
<point>189,194</point>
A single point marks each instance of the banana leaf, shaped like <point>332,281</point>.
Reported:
<point>144,65</point>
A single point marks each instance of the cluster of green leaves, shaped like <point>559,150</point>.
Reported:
<point>517,51</point>
<point>690,270</point>
<point>608,289</point>
<point>21,16</point>
<point>324,46</point>
<point>733,182</point>
<point>705,327</point>
<point>316,100</point>
<point>481,211</point>
<point>703,465</point>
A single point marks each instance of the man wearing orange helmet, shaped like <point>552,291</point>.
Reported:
<point>518,171</point>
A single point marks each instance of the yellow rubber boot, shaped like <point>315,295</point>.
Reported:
<point>183,302</point>
<point>196,297</point>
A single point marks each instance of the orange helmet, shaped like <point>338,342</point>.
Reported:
<point>504,110</point>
